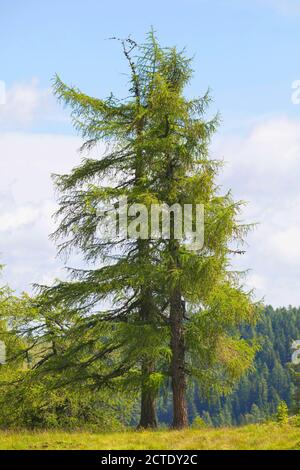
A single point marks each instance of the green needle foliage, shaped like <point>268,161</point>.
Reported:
<point>36,385</point>
<point>206,302</point>
<point>147,309</point>
<point>282,414</point>
<point>122,300</point>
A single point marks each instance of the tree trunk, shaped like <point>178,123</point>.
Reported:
<point>180,415</point>
<point>148,417</point>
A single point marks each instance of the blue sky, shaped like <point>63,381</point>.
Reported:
<point>246,51</point>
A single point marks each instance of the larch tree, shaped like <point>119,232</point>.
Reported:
<point>126,289</point>
<point>164,308</point>
<point>206,301</point>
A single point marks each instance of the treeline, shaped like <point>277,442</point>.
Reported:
<point>260,391</point>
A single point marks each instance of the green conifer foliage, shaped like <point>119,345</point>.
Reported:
<point>159,307</point>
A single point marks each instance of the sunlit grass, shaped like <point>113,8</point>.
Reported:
<point>260,436</point>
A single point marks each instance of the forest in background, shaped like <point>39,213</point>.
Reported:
<point>256,397</point>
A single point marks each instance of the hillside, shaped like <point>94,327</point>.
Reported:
<point>263,436</point>
<point>257,395</point>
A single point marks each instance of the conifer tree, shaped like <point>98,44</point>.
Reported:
<point>206,301</point>
<point>151,291</point>
<point>128,278</point>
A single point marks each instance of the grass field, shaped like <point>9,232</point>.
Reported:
<point>263,436</point>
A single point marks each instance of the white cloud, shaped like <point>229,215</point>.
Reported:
<point>27,203</point>
<point>258,283</point>
<point>264,169</point>
<point>24,104</point>
<point>28,160</point>
<point>23,215</point>
<point>285,244</point>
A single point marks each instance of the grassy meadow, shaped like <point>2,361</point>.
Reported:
<point>251,437</point>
